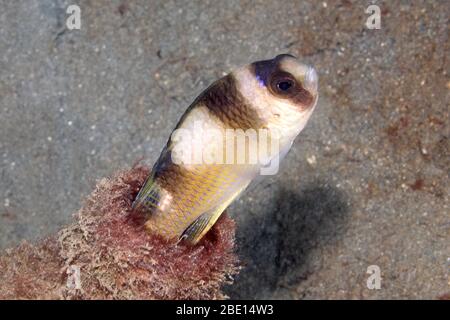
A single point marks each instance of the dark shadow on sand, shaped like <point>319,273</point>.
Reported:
<point>275,247</point>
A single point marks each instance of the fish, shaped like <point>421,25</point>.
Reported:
<point>198,175</point>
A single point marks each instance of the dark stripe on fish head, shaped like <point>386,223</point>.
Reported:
<point>287,79</point>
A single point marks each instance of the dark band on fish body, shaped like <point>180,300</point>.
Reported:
<point>224,100</point>
<point>168,174</point>
<point>264,70</point>
<point>172,177</point>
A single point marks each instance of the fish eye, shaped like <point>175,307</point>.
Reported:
<point>283,84</point>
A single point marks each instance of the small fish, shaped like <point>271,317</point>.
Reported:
<point>182,198</point>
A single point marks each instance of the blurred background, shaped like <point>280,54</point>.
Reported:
<point>366,183</point>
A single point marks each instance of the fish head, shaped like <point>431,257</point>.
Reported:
<point>284,90</point>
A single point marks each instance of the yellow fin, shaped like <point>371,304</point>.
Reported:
<point>148,196</point>
<point>206,220</point>
<point>200,226</point>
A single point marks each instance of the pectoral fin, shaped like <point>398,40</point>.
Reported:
<point>206,220</point>
<point>200,226</point>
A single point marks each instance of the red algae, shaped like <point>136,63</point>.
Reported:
<point>117,258</point>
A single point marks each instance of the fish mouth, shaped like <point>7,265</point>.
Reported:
<point>311,80</point>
